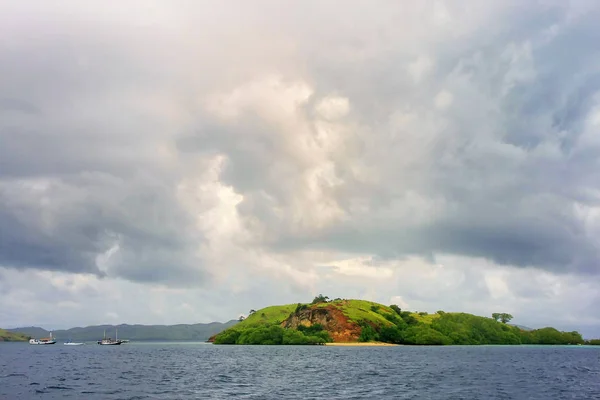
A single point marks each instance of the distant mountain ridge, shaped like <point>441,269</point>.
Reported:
<point>199,332</point>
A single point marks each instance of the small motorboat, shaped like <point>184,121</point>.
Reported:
<point>70,343</point>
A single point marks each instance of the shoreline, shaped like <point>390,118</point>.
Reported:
<point>359,344</point>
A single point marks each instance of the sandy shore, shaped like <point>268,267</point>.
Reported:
<point>361,344</point>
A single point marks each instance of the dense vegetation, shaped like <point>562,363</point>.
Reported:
<point>263,327</point>
<point>199,332</point>
<point>466,329</point>
<point>274,334</point>
<point>377,322</point>
<point>7,336</point>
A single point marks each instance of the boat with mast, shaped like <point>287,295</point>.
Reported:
<point>48,340</point>
<point>109,341</point>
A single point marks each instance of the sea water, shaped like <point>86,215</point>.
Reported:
<point>205,371</point>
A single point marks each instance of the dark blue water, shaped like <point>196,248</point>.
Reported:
<point>204,371</point>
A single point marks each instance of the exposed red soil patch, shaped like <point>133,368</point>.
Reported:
<point>340,328</point>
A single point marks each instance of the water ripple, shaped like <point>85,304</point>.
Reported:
<point>190,371</point>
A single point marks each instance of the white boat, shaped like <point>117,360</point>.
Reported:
<point>109,341</point>
<point>70,343</point>
<point>49,340</point>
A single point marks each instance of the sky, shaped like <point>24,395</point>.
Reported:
<point>186,161</point>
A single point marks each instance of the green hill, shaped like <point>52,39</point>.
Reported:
<point>195,332</point>
<point>7,336</point>
<point>340,320</point>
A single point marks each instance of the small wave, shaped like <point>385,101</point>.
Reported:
<point>116,391</point>
<point>59,387</point>
<point>14,375</point>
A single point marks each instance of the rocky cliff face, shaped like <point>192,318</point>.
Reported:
<point>333,321</point>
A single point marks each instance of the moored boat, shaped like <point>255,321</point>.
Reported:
<point>70,343</point>
<point>109,341</point>
<point>48,340</point>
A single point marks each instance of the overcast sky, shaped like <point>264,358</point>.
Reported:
<point>184,161</point>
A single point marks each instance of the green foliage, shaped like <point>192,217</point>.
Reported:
<point>391,334</point>
<point>502,317</point>
<point>315,330</point>
<point>464,328</point>
<point>425,335</point>
<point>367,333</point>
<point>505,318</point>
<point>301,307</point>
<point>391,325</point>
<point>320,299</point>
<point>230,336</point>
<point>396,320</point>
<point>271,335</point>
<point>408,318</point>
<point>268,315</point>
<point>593,342</point>
<point>7,336</point>
<point>550,336</point>
<point>396,309</point>
<point>360,311</point>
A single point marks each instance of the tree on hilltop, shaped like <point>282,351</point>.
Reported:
<point>502,317</point>
<point>397,309</point>
<point>320,299</point>
<point>505,318</point>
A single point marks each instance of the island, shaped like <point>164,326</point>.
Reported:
<point>6,336</point>
<point>348,322</point>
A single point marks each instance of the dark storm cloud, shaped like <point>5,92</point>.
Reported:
<point>492,164</point>
<point>508,161</point>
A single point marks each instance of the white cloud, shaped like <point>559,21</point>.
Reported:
<point>332,108</point>
<point>436,155</point>
<point>443,99</point>
<point>420,67</point>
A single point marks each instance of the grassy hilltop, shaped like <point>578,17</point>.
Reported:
<point>6,336</point>
<point>346,321</point>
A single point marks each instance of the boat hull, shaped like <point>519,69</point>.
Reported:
<point>72,344</point>
<point>109,342</point>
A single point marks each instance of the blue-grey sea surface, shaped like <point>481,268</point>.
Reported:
<point>205,371</point>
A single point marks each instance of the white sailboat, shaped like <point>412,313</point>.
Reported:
<point>49,340</point>
<point>109,341</point>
